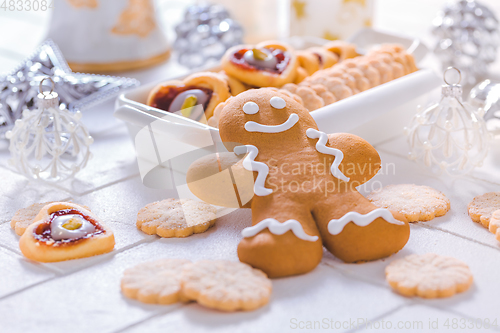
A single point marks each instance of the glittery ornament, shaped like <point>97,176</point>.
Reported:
<point>468,38</point>
<point>77,91</point>
<point>449,136</point>
<point>486,95</point>
<point>49,143</point>
<point>206,33</point>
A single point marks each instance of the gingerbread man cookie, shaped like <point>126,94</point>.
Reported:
<point>305,188</point>
<point>65,231</point>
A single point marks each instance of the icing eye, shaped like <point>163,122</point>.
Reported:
<point>278,102</point>
<point>250,108</point>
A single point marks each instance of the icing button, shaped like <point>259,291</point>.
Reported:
<point>278,102</point>
<point>250,108</point>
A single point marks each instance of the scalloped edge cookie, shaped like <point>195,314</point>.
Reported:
<point>415,202</point>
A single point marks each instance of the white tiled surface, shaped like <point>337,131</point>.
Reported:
<point>83,295</point>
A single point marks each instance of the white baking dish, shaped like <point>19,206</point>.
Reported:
<point>376,114</point>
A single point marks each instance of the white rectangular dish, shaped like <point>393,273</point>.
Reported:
<point>375,115</point>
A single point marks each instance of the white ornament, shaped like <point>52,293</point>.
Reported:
<point>49,143</point>
<point>449,136</point>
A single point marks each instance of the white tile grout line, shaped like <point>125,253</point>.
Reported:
<point>381,316</point>
<point>325,262</point>
<point>61,273</point>
<point>431,174</point>
<point>98,188</point>
<point>171,308</point>
<point>34,263</point>
<point>423,225</point>
<point>410,302</point>
<point>452,311</point>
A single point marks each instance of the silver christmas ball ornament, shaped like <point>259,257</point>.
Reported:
<point>468,38</point>
<point>206,32</point>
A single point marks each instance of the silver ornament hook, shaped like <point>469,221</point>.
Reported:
<point>459,75</point>
<point>40,87</point>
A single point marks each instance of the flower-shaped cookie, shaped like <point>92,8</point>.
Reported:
<point>482,207</point>
<point>428,276</point>
<point>226,285</point>
<point>495,224</point>
<point>416,203</point>
<point>176,218</point>
<point>156,282</point>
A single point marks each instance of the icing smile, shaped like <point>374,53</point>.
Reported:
<point>252,126</point>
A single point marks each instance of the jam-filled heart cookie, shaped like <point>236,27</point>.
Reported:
<point>65,231</point>
<point>24,217</point>
<point>269,64</point>
<point>205,88</point>
<point>305,184</point>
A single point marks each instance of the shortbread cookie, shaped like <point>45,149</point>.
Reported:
<point>428,276</point>
<point>226,285</point>
<point>176,218</point>
<point>482,207</point>
<point>322,92</point>
<point>155,282</point>
<point>64,231</point>
<point>495,224</point>
<point>309,97</point>
<point>24,217</point>
<point>417,203</point>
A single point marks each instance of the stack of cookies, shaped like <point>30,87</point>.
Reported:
<point>352,76</point>
<point>314,77</point>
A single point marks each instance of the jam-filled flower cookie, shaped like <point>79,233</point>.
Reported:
<point>176,218</point>
<point>416,203</point>
<point>204,88</point>
<point>428,276</point>
<point>268,64</point>
<point>342,49</point>
<point>235,86</point>
<point>316,58</point>
<point>64,231</point>
<point>305,194</point>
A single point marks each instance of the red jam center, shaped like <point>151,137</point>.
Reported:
<point>320,58</point>
<point>166,95</point>
<point>282,57</point>
<point>43,232</point>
